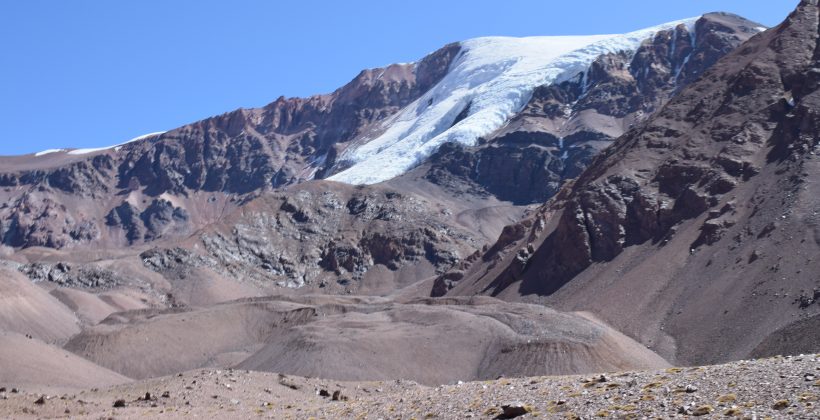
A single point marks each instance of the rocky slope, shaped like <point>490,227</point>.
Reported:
<point>696,232</point>
<point>331,238</point>
<point>359,338</point>
<point>727,391</point>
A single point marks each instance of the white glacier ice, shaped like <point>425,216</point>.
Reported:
<point>495,78</point>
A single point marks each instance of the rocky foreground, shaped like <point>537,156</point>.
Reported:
<point>780,387</point>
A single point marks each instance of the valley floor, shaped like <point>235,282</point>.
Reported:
<point>780,387</point>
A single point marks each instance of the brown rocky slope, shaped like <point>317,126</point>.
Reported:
<point>361,338</point>
<point>696,232</point>
<point>727,391</point>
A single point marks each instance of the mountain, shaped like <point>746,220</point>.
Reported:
<point>494,80</point>
<point>696,232</point>
<point>171,184</point>
<point>564,125</point>
<point>307,236</point>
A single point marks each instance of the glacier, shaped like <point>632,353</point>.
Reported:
<point>492,80</point>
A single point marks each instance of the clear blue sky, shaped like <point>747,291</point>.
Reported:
<point>83,73</point>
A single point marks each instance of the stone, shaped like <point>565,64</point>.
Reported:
<point>703,410</point>
<point>337,396</point>
<point>781,404</point>
<point>511,411</point>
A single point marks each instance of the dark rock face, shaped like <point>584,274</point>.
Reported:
<point>86,178</point>
<point>176,263</point>
<point>127,217</point>
<point>564,126</point>
<point>159,216</point>
<point>157,219</point>
<point>36,219</point>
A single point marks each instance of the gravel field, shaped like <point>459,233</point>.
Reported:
<point>780,387</point>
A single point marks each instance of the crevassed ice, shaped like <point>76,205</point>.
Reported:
<point>495,77</point>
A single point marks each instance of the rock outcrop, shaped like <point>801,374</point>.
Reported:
<point>326,236</point>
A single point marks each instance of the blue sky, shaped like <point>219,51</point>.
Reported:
<point>86,73</point>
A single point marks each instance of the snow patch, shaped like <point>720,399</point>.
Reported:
<point>49,151</point>
<point>116,147</point>
<point>142,137</point>
<point>564,151</point>
<point>309,171</point>
<point>496,74</point>
<point>87,151</point>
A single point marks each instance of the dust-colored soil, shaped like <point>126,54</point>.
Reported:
<point>776,388</point>
<point>431,341</point>
<point>27,361</point>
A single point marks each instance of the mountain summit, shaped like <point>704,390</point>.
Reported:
<point>490,81</point>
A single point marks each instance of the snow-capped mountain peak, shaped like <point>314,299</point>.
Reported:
<point>490,82</point>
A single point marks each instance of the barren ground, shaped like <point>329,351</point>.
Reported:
<point>777,387</point>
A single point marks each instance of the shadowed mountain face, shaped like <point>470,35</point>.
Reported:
<point>697,231</point>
